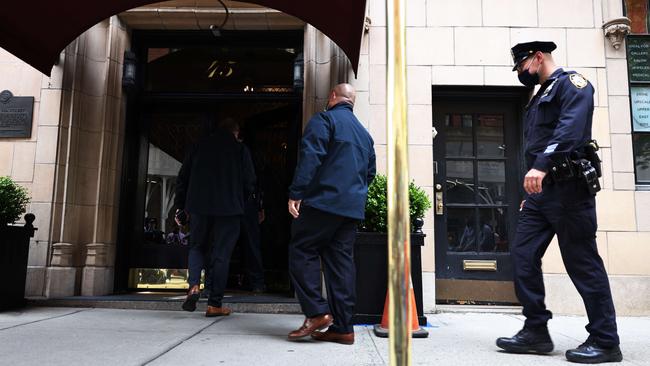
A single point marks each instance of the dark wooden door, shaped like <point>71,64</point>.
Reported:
<point>477,156</point>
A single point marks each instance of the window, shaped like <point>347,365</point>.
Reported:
<point>638,61</point>
<point>637,11</point>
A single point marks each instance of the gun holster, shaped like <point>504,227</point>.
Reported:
<point>589,174</point>
<point>583,169</point>
<point>590,152</point>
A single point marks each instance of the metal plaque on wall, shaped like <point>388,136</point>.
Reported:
<point>15,115</point>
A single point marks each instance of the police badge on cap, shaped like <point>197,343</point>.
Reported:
<point>521,51</point>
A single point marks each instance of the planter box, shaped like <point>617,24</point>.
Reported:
<point>14,249</point>
<point>371,260</point>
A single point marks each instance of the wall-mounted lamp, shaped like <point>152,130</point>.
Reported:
<point>129,81</point>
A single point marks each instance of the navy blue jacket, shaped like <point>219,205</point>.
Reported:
<point>217,177</point>
<point>558,119</point>
<point>336,164</point>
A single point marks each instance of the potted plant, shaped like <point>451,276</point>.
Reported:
<point>371,251</point>
<point>14,242</point>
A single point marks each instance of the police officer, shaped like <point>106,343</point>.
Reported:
<point>561,202</point>
<point>213,185</point>
<point>326,199</point>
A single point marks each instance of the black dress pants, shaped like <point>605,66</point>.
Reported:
<point>222,233</point>
<point>201,238</point>
<point>565,209</point>
<point>321,238</point>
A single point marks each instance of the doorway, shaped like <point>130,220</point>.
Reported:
<point>477,188</point>
<point>187,82</point>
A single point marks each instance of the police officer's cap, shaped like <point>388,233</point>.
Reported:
<point>521,51</point>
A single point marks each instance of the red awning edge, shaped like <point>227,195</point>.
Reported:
<point>37,31</point>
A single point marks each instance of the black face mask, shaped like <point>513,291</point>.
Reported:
<point>528,79</point>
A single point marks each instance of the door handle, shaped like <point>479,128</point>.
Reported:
<point>440,206</point>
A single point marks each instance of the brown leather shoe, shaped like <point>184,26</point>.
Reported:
<point>192,298</point>
<point>310,326</point>
<point>329,336</point>
<point>217,311</point>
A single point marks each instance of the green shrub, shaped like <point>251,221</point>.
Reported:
<point>377,205</point>
<point>13,201</point>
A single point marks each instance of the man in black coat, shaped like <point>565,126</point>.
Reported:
<point>327,198</point>
<point>213,185</point>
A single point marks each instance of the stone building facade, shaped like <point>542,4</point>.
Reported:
<point>72,163</point>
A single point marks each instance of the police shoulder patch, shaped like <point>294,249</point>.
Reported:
<point>578,80</point>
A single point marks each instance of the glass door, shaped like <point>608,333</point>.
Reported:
<point>476,154</point>
<point>159,250</point>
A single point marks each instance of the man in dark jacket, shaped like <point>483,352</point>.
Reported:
<point>216,179</point>
<point>327,198</point>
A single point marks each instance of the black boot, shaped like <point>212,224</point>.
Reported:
<point>591,352</point>
<point>528,340</point>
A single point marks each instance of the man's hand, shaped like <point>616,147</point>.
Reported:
<point>261,216</point>
<point>533,181</point>
<point>294,208</point>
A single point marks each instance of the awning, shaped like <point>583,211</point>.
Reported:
<point>36,31</point>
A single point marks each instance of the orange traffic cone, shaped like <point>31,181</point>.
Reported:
<point>381,330</point>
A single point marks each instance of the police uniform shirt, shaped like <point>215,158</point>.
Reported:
<point>558,119</point>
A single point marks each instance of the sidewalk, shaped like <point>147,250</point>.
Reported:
<point>74,336</point>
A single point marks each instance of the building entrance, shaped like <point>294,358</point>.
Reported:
<point>185,88</point>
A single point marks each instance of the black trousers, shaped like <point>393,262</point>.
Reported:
<point>222,233</point>
<point>201,238</point>
<point>318,237</point>
<point>251,245</point>
<point>565,209</point>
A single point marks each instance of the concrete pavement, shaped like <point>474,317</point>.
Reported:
<point>85,336</point>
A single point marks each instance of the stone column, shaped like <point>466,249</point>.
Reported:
<point>98,273</point>
<point>325,66</point>
<point>61,271</point>
<point>86,193</point>
<point>60,277</point>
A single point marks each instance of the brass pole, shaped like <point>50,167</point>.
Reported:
<point>399,333</point>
